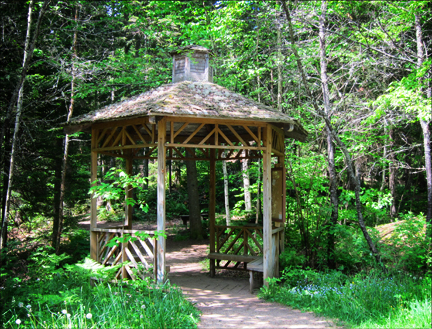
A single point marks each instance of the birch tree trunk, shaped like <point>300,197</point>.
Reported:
<point>258,201</point>
<point>425,127</point>
<point>227,209</point>
<point>28,54</point>
<point>347,157</point>
<point>246,184</point>
<point>330,149</point>
<point>392,175</point>
<point>58,222</point>
<point>279,68</point>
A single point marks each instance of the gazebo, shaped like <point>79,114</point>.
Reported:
<point>192,114</point>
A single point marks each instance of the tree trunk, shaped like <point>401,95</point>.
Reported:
<point>392,175</point>
<point>28,54</point>
<point>279,68</point>
<point>226,195</point>
<point>383,179</point>
<point>194,205</point>
<point>246,184</point>
<point>342,146</point>
<point>425,127</point>
<point>258,201</point>
<point>330,150</point>
<point>58,227</point>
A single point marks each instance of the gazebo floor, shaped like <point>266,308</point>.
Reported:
<point>225,301</point>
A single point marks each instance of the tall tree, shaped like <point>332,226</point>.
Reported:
<point>330,150</point>
<point>193,197</point>
<point>348,159</point>
<point>28,54</point>
<point>58,219</point>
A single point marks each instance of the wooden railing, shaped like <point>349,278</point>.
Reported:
<point>236,245</point>
<point>140,254</point>
<point>234,239</point>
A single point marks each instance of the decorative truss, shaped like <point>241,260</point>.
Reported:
<point>186,139</point>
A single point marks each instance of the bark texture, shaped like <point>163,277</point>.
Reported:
<point>226,193</point>
<point>425,125</point>
<point>342,146</point>
<point>18,97</point>
<point>330,149</point>
<point>194,205</point>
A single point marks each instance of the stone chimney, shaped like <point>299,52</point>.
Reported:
<point>191,63</point>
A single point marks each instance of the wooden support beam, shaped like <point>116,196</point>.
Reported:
<point>212,208</point>
<point>128,192</point>
<point>267,218</point>
<point>160,252</point>
<point>93,204</point>
<point>222,147</point>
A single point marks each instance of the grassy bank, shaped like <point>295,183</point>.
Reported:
<point>52,295</point>
<point>365,300</point>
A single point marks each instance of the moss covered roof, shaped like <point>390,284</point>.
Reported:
<point>190,99</point>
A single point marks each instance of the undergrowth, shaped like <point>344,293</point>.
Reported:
<point>364,300</point>
<point>52,295</point>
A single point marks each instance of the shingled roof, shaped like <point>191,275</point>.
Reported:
<point>190,99</point>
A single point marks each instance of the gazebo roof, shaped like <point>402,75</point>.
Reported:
<point>191,99</point>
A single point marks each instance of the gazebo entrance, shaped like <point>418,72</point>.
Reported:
<point>193,115</point>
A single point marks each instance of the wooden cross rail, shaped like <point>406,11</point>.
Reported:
<point>140,253</point>
<point>237,244</point>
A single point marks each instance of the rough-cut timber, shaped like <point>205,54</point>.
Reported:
<point>191,99</point>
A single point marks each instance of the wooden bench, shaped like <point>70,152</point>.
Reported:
<point>255,266</point>
<point>254,263</point>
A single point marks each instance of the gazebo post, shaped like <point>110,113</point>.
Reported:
<point>160,249</point>
<point>128,211</point>
<point>212,208</point>
<point>267,218</point>
<point>128,192</point>
<point>93,204</point>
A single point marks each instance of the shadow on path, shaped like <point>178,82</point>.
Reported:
<point>225,302</point>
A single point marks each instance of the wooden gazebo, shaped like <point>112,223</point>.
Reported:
<point>192,113</point>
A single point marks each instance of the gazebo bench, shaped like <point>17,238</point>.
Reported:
<point>254,263</point>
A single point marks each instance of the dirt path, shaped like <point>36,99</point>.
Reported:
<point>225,300</point>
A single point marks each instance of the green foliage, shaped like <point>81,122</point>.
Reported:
<point>369,300</point>
<point>113,187</point>
<point>407,247</point>
<point>57,297</point>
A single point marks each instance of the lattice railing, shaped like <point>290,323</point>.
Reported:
<point>241,243</point>
<point>239,240</point>
<point>139,253</point>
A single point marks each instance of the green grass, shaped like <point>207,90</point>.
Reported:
<point>366,300</point>
<point>54,296</point>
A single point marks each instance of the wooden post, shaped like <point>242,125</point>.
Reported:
<point>128,192</point>
<point>212,208</point>
<point>161,200</point>
<point>128,212</point>
<point>93,213</point>
<point>267,218</point>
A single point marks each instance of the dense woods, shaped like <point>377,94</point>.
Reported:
<point>357,74</point>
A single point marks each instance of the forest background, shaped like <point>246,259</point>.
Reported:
<point>356,75</point>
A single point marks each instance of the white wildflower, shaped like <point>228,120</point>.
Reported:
<point>143,307</point>
<point>89,316</point>
<point>64,311</point>
<point>20,304</point>
<point>68,315</point>
<point>28,306</point>
<point>18,321</point>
